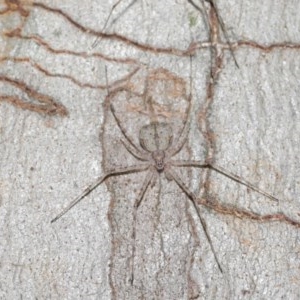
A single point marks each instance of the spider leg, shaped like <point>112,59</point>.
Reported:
<point>173,175</point>
<point>134,152</point>
<point>90,188</point>
<point>221,24</point>
<point>183,135</point>
<point>224,31</point>
<point>123,130</point>
<point>137,203</point>
<point>220,170</point>
<point>241,213</point>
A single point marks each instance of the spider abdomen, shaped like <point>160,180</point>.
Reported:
<point>156,136</point>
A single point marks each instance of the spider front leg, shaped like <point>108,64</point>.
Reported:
<point>181,140</point>
<point>140,152</point>
<point>134,152</point>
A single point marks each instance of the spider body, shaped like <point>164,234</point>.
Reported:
<point>156,138</point>
<point>155,156</point>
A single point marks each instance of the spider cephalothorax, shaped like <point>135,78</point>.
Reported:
<point>159,159</point>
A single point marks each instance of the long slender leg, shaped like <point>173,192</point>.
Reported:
<point>123,130</point>
<point>133,151</point>
<point>224,31</point>
<point>172,175</point>
<point>240,213</point>
<point>136,206</point>
<point>90,188</point>
<point>231,210</point>
<point>220,21</point>
<point>236,178</point>
<point>183,135</point>
<point>98,39</point>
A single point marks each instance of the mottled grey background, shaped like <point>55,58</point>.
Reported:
<point>47,161</point>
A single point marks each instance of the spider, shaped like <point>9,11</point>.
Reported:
<point>156,155</point>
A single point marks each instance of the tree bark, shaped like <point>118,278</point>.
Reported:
<point>62,66</point>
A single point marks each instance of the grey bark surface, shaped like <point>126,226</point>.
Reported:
<point>250,126</point>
